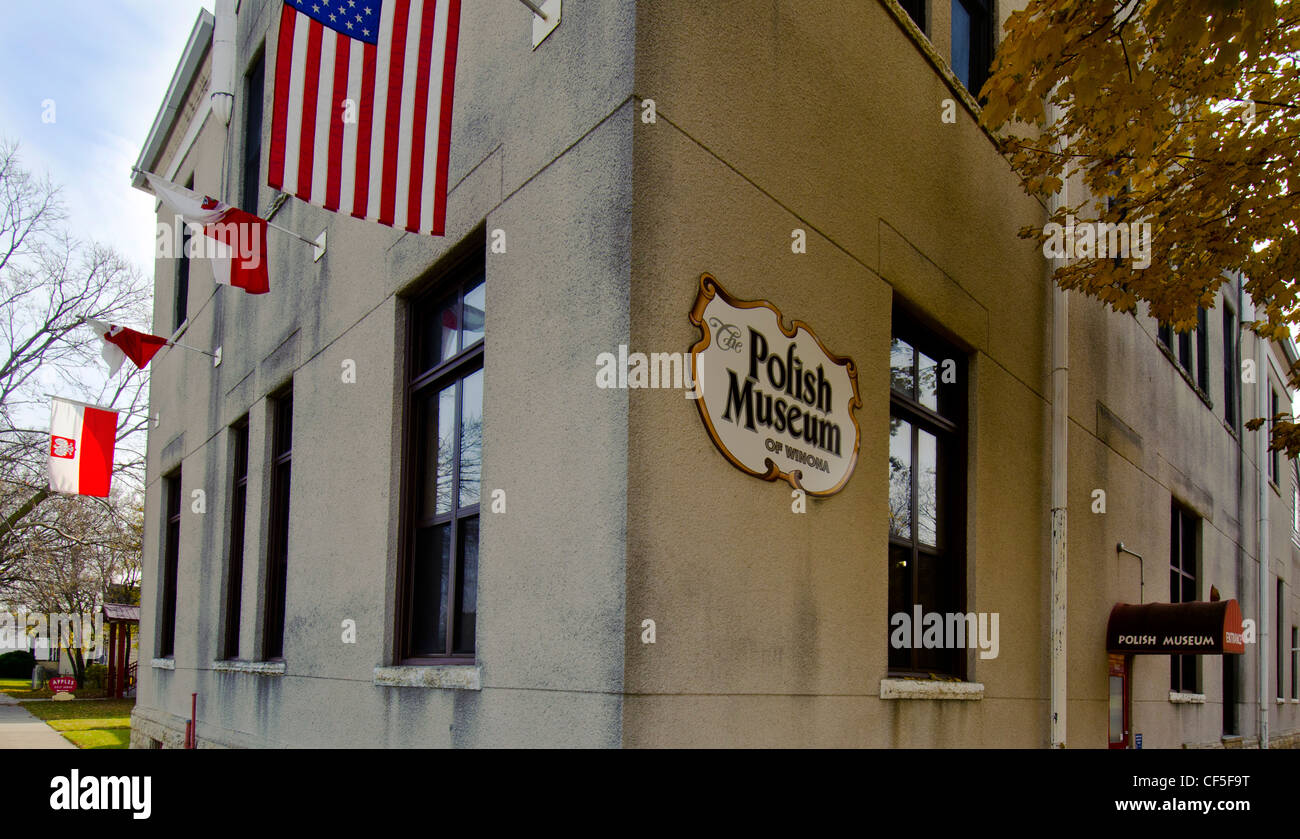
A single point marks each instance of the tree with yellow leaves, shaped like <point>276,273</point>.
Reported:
<point>1181,113</point>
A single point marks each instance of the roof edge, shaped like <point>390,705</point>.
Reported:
<point>200,41</point>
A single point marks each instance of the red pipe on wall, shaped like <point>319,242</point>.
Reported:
<point>191,725</point>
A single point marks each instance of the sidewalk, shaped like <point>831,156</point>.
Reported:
<point>20,730</point>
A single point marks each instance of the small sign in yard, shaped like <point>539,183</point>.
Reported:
<point>59,684</point>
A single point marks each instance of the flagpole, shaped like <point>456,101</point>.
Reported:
<point>97,407</point>
<point>193,349</point>
<point>300,238</point>
<point>313,242</point>
<point>533,8</point>
<point>85,319</point>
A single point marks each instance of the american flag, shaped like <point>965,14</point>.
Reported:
<point>362,116</point>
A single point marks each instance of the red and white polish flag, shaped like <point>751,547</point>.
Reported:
<point>240,236</point>
<point>81,448</point>
<point>121,343</point>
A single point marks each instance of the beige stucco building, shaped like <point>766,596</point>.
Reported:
<point>798,154</point>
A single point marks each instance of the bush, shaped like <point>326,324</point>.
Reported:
<point>17,665</point>
<point>96,676</point>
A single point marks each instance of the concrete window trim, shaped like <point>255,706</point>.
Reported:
<point>163,663</point>
<point>1183,698</point>
<point>263,668</point>
<point>447,676</point>
<point>1186,375</point>
<point>930,689</point>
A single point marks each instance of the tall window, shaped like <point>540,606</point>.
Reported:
<point>235,555</point>
<point>254,83</point>
<point>1295,662</point>
<point>444,447</point>
<point>1190,349</point>
<point>1184,526</point>
<point>972,42</point>
<point>1295,505</point>
<point>1279,642</point>
<point>927,481</point>
<point>170,564</point>
<point>181,290</point>
<point>1231,367</point>
<point>915,10</point>
<point>277,554</point>
<point>1274,408</point>
<point>1202,338</point>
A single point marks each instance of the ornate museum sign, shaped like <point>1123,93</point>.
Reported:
<point>776,402</point>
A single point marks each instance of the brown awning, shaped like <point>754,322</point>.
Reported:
<point>121,613</point>
<point>1211,628</point>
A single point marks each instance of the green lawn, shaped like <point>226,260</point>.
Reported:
<point>90,724</point>
<point>22,689</point>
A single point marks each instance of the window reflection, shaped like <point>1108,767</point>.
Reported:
<point>900,478</point>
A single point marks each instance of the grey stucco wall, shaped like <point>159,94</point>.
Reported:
<point>537,135</point>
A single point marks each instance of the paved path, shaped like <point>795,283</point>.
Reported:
<point>21,730</point>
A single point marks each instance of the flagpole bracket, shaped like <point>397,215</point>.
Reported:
<point>545,18</point>
<point>319,247</point>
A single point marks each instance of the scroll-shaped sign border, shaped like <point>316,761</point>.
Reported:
<point>709,288</point>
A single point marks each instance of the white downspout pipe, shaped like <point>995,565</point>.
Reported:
<point>1262,390</point>
<point>1059,463</point>
<point>221,86</point>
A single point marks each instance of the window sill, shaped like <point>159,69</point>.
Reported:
<point>450,676</point>
<point>1185,373</point>
<point>1179,698</point>
<point>929,689</point>
<point>163,663</point>
<point>265,668</point>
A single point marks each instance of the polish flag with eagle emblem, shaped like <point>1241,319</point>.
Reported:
<point>82,438</point>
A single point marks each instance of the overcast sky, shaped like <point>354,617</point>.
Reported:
<point>106,66</point>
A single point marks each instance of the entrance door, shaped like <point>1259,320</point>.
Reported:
<point>1119,700</point>
<point>1230,694</point>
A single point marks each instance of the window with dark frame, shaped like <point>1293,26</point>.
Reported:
<point>916,11</point>
<point>170,565</point>
<point>1191,349</point>
<point>972,42</point>
<point>277,555</point>
<point>181,290</point>
<point>235,553</point>
<point>254,84</point>
<point>1279,642</point>
<point>1295,662</point>
<point>1183,534</point>
<point>1274,403</point>
<point>1295,502</point>
<point>927,485</point>
<point>1231,368</point>
<point>1202,338</point>
<point>444,410</point>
